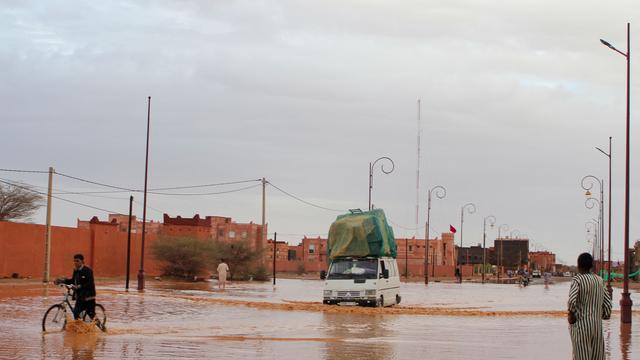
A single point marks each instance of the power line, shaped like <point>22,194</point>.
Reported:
<point>93,182</point>
<point>26,171</point>
<point>304,201</point>
<point>206,185</point>
<point>409,229</point>
<point>63,199</point>
<point>207,193</point>
<point>156,190</point>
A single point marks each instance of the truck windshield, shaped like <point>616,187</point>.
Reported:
<point>344,269</point>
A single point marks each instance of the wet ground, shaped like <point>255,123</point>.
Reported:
<point>255,320</point>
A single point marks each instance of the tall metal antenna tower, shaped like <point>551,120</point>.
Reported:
<point>418,173</point>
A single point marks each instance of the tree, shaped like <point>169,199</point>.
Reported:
<point>18,201</point>
<point>183,256</point>
<point>243,260</point>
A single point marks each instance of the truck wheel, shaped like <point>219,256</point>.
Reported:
<point>380,301</point>
<point>398,299</point>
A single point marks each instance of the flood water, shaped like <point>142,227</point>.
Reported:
<point>255,320</point>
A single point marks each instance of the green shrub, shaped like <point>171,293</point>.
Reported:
<point>182,256</point>
<point>242,259</point>
<point>261,274</point>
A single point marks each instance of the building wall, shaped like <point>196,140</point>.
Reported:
<point>542,260</point>
<point>515,252</point>
<point>104,248</point>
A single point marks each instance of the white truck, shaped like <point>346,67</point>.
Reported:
<point>361,281</point>
<point>363,269</point>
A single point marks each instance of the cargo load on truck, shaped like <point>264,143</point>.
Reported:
<point>361,234</point>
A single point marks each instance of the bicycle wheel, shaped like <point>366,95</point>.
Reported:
<point>100,316</point>
<point>55,318</point>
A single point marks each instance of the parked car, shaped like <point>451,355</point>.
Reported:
<point>567,274</point>
<point>536,273</point>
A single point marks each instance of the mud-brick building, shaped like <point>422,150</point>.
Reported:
<point>441,256</point>
<point>514,252</point>
<point>542,260</point>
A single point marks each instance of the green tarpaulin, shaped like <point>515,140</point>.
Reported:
<point>361,234</point>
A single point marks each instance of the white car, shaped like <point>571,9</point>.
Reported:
<point>536,273</point>
<point>362,281</point>
<point>567,274</point>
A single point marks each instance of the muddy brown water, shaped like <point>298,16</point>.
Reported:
<point>255,320</point>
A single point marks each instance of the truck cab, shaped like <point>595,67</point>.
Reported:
<point>372,281</point>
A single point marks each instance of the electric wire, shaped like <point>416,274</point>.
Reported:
<point>157,191</point>
<point>304,201</point>
<point>62,199</point>
<point>26,171</point>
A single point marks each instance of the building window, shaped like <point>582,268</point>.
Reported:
<point>220,233</point>
<point>410,247</point>
<point>232,234</point>
<point>244,235</point>
<point>312,249</point>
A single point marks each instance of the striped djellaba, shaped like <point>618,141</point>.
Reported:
<point>590,302</point>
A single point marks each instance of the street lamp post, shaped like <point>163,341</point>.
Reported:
<point>440,193</point>
<point>371,166</point>
<point>588,225</point>
<point>625,301</point>
<point>608,155</point>
<point>144,207</point>
<point>504,227</point>
<point>470,208</point>
<point>492,222</point>
<point>587,183</point>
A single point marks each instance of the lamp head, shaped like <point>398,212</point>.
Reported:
<point>605,43</point>
<point>588,193</point>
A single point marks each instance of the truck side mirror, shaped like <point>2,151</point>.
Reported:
<point>385,273</point>
<point>323,275</point>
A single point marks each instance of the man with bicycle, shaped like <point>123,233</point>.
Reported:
<point>84,287</point>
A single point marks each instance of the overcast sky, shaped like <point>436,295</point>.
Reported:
<point>515,96</point>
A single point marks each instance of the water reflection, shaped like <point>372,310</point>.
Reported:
<point>625,340</point>
<point>82,346</point>
<point>353,336</point>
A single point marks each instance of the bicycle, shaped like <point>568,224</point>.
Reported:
<point>56,316</point>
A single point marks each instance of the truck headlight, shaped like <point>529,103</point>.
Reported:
<point>370,293</point>
<point>326,293</point>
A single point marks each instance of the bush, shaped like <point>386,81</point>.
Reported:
<point>242,259</point>
<point>182,256</point>
<point>300,270</point>
<point>261,273</point>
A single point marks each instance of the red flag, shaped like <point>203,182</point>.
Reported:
<point>452,229</point>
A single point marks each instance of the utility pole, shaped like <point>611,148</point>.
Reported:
<point>144,207</point>
<point>47,238</point>
<point>264,197</point>
<point>129,242</point>
<point>275,236</point>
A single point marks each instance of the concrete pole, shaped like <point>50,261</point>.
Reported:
<point>47,238</point>
<point>264,197</point>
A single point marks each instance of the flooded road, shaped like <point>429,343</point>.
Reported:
<point>255,320</point>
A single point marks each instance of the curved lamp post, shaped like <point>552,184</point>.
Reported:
<point>625,302</point>
<point>515,234</point>
<point>608,155</point>
<point>492,221</point>
<point>504,227</point>
<point>587,184</point>
<point>593,226</point>
<point>470,208</point>
<point>371,166</point>
<point>440,192</point>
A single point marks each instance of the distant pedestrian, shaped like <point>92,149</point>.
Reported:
<point>223,269</point>
<point>458,275</point>
<point>589,303</point>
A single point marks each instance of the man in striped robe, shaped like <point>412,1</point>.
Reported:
<point>589,303</point>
